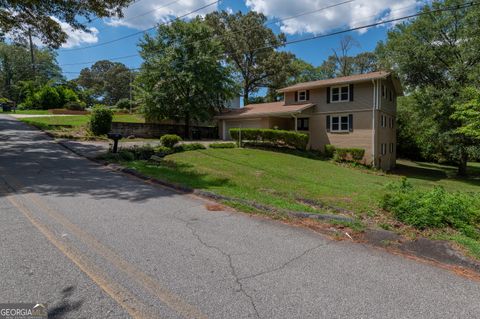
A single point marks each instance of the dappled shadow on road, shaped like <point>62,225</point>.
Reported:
<point>65,305</point>
<point>30,161</point>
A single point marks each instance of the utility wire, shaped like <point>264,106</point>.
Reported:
<point>238,31</point>
<point>142,31</point>
<point>452,8</point>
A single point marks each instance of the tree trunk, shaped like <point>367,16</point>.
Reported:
<point>187,126</point>
<point>462,163</point>
<point>245,95</point>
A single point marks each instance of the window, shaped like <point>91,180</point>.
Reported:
<point>384,149</point>
<point>340,124</point>
<point>302,124</point>
<point>391,148</point>
<point>340,93</point>
<point>384,91</point>
<point>302,95</point>
<point>383,122</point>
<point>391,122</point>
<point>391,96</point>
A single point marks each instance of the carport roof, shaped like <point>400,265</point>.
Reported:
<point>264,110</point>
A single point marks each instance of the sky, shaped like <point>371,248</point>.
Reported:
<point>296,18</point>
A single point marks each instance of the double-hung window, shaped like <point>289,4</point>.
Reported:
<point>302,124</point>
<point>340,124</point>
<point>302,95</point>
<point>391,148</point>
<point>340,93</point>
<point>383,149</point>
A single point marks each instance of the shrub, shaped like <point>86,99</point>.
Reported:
<point>169,140</point>
<point>329,151</point>
<point>277,138</point>
<point>66,95</point>
<point>123,104</point>
<point>189,147</point>
<point>101,120</point>
<point>47,98</point>
<point>348,154</point>
<point>126,155</point>
<point>162,151</point>
<point>75,106</point>
<point>434,208</point>
<point>223,145</point>
<point>142,152</point>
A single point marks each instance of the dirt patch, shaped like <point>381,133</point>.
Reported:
<point>215,207</point>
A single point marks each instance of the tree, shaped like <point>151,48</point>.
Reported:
<point>250,48</point>
<point>107,81</point>
<point>183,76</point>
<point>343,60</point>
<point>437,55</point>
<point>16,70</point>
<point>41,18</point>
<point>467,111</point>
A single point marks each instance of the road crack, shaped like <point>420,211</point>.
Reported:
<point>228,257</point>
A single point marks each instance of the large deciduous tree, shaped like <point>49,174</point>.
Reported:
<point>41,18</point>
<point>250,47</point>
<point>436,56</point>
<point>183,76</point>
<point>107,81</point>
<point>16,70</point>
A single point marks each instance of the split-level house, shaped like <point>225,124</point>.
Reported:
<point>357,111</point>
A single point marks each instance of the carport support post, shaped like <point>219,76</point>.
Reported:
<point>240,137</point>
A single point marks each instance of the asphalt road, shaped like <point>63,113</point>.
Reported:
<point>97,244</point>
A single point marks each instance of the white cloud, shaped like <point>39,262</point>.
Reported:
<point>353,14</point>
<point>146,13</point>
<point>77,37</point>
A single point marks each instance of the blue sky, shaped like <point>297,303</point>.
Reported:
<point>146,13</point>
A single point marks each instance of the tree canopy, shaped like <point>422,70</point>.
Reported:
<point>183,76</point>
<point>107,81</point>
<point>41,18</point>
<point>437,55</point>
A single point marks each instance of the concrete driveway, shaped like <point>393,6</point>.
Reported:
<point>97,244</point>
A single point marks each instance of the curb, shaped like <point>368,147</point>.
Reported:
<point>436,251</point>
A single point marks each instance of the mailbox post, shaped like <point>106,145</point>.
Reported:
<point>115,137</point>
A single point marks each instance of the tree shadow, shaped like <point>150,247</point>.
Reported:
<point>30,161</point>
<point>65,305</point>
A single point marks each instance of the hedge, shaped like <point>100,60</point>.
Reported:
<point>277,138</point>
<point>349,154</point>
<point>222,145</point>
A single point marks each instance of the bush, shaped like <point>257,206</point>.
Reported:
<point>329,151</point>
<point>435,208</point>
<point>101,120</point>
<point>223,145</point>
<point>277,138</point>
<point>189,147</point>
<point>123,104</point>
<point>47,98</point>
<point>162,151</point>
<point>169,140</point>
<point>66,95</point>
<point>75,106</point>
<point>348,154</point>
<point>126,155</point>
<point>142,152</point>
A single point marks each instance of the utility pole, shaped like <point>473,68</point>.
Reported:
<point>130,93</point>
<point>32,55</point>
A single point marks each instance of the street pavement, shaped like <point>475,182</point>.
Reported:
<point>93,243</point>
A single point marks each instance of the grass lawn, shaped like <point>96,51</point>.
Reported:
<point>78,120</point>
<point>283,180</point>
<point>30,112</point>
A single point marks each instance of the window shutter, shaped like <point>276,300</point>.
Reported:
<point>350,121</point>
<point>328,123</point>
<point>351,92</point>
<point>328,95</point>
<point>296,96</point>
<point>308,95</point>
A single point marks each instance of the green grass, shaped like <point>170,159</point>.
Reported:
<point>30,112</point>
<point>280,179</point>
<point>53,122</point>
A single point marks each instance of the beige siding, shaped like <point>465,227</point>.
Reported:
<point>361,137</point>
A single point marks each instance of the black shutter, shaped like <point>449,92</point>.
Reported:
<point>328,95</point>
<point>351,92</point>
<point>350,121</point>
<point>308,95</point>
<point>328,123</point>
<point>296,96</point>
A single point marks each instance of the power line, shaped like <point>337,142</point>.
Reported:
<point>143,31</point>
<point>244,30</point>
<point>453,8</point>
<point>144,13</point>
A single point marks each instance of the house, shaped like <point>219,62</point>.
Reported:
<point>357,111</point>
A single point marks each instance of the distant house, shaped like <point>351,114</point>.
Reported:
<point>355,111</point>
